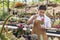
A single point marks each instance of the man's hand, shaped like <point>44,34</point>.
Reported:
<point>35,16</point>
<point>43,27</point>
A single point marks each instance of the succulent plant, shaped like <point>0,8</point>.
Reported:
<point>56,24</point>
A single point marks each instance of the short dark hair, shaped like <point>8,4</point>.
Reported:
<point>42,7</point>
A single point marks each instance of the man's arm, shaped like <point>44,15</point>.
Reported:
<point>31,19</point>
<point>48,25</point>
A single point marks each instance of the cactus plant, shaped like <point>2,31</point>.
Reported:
<point>3,36</point>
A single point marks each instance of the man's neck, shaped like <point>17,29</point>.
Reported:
<point>41,15</point>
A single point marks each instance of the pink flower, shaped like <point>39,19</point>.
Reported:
<point>20,25</point>
<point>42,19</point>
<point>57,26</point>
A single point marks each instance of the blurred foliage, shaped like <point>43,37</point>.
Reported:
<point>57,1</point>
<point>6,4</point>
<point>11,4</point>
<point>57,22</point>
<point>1,4</point>
<point>3,35</point>
<point>3,15</point>
<point>41,0</point>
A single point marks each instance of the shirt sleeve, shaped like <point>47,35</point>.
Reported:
<point>48,23</point>
<point>31,17</point>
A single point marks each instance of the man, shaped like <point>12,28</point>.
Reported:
<point>41,13</point>
<point>39,16</point>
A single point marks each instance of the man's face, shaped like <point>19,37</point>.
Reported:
<point>41,12</point>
